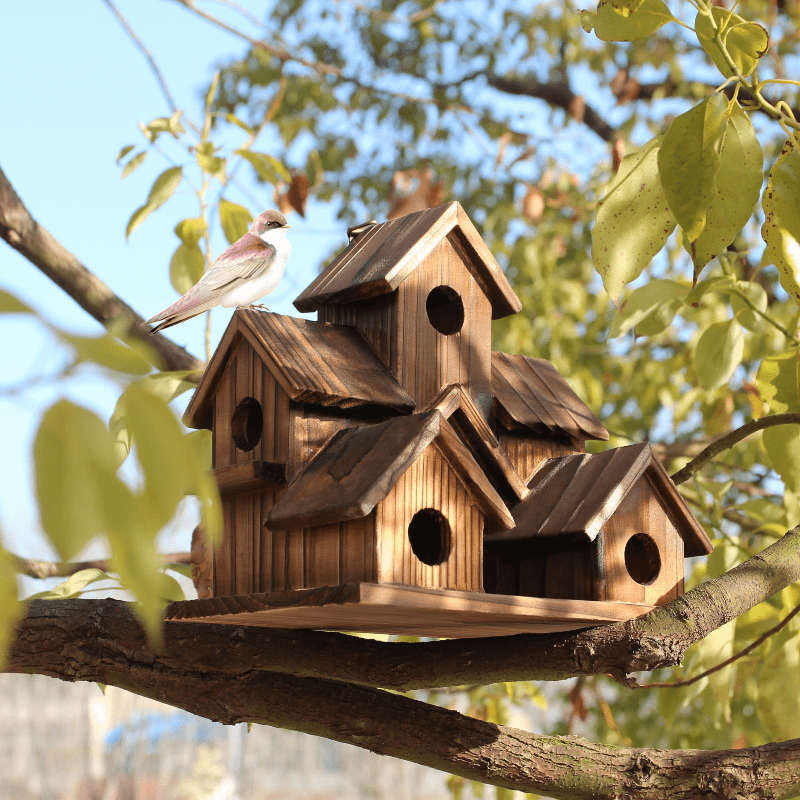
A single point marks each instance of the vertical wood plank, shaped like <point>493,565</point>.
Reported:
<point>370,546</point>
<point>243,544</point>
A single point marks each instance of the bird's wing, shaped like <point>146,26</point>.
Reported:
<point>229,270</point>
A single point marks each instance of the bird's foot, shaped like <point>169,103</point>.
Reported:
<point>261,306</point>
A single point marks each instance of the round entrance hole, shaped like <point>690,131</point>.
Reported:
<point>429,535</point>
<point>642,559</point>
<point>445,310</point>
<point>247,424</point>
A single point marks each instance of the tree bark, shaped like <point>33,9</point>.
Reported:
<point>21,231</point>
<point>102,641</point>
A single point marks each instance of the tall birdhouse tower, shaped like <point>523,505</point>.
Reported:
<point>382,470</point>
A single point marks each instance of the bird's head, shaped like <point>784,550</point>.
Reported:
<point>268,223</point>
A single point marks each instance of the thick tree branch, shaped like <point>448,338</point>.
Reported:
<point>20,230</point>
<point>52,641</point>
<point>656,640</point>
<point>730,439</point>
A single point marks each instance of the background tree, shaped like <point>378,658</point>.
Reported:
<point>526,119</point>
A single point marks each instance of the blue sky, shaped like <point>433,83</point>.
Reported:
<point>70,102</point>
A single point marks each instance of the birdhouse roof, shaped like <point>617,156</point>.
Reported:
<point>579,493</point>
<point>379,260</point>
<point>314,362</point>
<point>530,393</point>
<point>359,466</point>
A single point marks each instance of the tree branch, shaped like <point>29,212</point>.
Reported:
<point>35,568</point>
<point>717,667</point>
<point>656,640</point>
<point>53,640</point>
<point>559,95</point>
<point>730,439</point>
<point>26,236</point>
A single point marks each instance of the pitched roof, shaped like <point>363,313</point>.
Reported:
<point>358,467</point>
<point>379,260</point>
<point>579,493</point>
<point>531,393</point>
<point>314,362</point>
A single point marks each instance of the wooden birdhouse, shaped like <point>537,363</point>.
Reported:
<point>382,470</point>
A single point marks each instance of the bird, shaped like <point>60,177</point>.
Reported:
<point>249,269</point>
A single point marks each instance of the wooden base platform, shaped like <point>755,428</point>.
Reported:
<point>373,608</point>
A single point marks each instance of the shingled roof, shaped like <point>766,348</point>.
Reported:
<point>379,260</point>
<point>358,467</point>
<point>579,493</point>
<point>530,393</point>
<point>314,362</point>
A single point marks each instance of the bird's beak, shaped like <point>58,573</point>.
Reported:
<point>287,225</point>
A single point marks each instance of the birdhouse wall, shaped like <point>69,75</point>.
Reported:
<point>527,451</point>
<point>433,487</point>
<point>559,567</point>
<point>399,328</point>
<point>244,378</point>
<point>642,511</point>
<point>312,426</point>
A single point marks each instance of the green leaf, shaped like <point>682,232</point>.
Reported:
<point>122,153</point>
<point>164,385</point>
<point>782,443</point>
<point>626,7</point>
<point>12,305</point>
<point>781,228</point>
<point>719,351</point>
<point>689,160</point>
<point>163,188</point>
<point>266,166</point>
<point>236,121</point>
<point>10,607</point>
<point>108,351</point>
<point>778,381</point>
<point>778,698</point>
<point>646,301</point>
<point>191,230</point>
<point>633,220</point>
<point>235,220</point>
<point>745,41</point>
<point>133,163</point>
<point>738,187</point>
<point>610,26</point>
<point>757,296</point>
<point>170,591</point>
<point>79,493</point>
<point>208,161</point>
<point>186,267</point>
<point>74,585</point>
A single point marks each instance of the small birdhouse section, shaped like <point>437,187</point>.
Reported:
<point>382,470</point>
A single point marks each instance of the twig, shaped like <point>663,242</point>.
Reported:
<point>631,683</point>
<point>730,439</point>
<point>145,52</point>
<point>34,568</point>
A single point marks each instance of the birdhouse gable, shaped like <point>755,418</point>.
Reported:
<point>377,261</point>
<point>580,493</point>
<point>313,362</point>
<point>358,468</point>
<point>530,394</point>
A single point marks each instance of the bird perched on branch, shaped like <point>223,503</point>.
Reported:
<point>249,269</point>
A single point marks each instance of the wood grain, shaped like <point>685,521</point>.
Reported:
<point>377,262</point>
<point>405,610</point>
<point>531,393</point>
<point>249,477</point>
<point>358,467</point>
